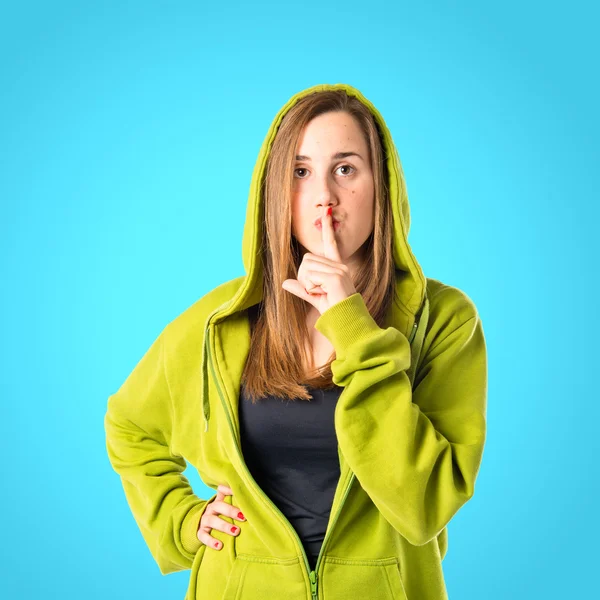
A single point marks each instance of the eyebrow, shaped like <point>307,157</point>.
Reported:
<point>333,156</point>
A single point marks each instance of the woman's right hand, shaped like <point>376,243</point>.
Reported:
<point>210,519</point>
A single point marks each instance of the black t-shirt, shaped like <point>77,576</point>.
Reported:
<point>290,448</point>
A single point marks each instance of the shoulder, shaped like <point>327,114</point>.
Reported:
<point>450,301</point>
<point>187,328</point>
<point>449,308</point>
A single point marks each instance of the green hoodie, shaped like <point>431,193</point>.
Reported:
<point>410,423</point>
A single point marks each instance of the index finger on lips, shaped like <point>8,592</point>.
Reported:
<point>330,249</point>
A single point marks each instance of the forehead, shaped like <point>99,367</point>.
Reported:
<point>329,134</point>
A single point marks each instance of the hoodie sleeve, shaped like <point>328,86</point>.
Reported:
<point>138,424</point>
<point>416,453</point>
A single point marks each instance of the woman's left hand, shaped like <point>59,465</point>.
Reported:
<point>327,273</point>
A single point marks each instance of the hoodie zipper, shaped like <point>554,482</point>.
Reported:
<point>312,575</point>
<point>413,332</point>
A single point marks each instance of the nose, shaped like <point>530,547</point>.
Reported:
<point>326,197</point>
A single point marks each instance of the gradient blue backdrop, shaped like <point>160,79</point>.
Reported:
<point>128,135</point>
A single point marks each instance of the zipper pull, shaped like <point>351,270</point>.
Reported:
<point>313,583</point>
<point>413,332</point>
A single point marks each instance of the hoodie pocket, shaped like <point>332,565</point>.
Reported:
<point>235,580</point>
<point>377,579</point>
<point>252,577</point>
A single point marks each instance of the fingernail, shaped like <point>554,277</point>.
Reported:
<point>216,544</point>
<point>234,529</point>
<point>241,516</point>
<point>329,211</point>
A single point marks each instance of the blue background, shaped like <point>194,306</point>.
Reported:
<point>129,131</point>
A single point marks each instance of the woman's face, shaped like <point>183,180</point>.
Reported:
<point>345,183</point>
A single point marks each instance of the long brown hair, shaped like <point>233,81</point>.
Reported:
<point>279,333</point>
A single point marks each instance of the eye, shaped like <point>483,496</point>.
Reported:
<point>340,167</point>
<point>347,166</point>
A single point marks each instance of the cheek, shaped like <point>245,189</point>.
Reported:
<point>365,216</point>
<point>302,209</point>
<point>367,191</point>
<point>300,220</point>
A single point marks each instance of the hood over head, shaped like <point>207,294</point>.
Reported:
<point>412,286</point>
<point>411,282</point>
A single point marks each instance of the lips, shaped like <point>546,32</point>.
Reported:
<point>318,223</point>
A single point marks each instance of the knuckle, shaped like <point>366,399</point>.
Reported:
<point>211,521</point>
<point>209,540</point>
<point>221,525</point>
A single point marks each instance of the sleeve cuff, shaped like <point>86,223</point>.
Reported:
<point>345,322</point>
<point>190,525</point>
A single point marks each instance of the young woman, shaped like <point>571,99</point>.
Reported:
<point>333,396</point>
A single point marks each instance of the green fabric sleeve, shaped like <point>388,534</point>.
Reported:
<point>138,424</point>
<point>416,453</point>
